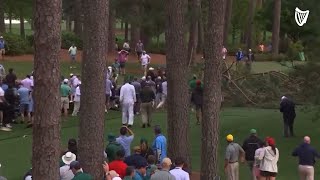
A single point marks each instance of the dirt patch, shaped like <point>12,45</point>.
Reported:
<point>195,176</point>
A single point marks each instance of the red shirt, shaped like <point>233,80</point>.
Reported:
<point>118,166</point>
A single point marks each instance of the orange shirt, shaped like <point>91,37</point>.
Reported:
<point>118,166</point>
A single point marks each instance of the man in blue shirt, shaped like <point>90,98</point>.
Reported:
<point>125,140</point>
<point>159,145</point>
<point>25,100</point>
<point>239,55</point>
<point>307,155</point>
<point>2,47</point>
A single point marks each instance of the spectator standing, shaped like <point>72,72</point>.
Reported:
<point>112,148</point>
<point>65,173</point>
<point>137,87</point>
<point>178,172</point>
<point>158,83</point>
<point>224,53</point>
<point>146,151</point>
<point>136,157</point>
<point>239,56</point>
<point>76,100</point>
<point>287,107</point>
<point>25,102</point>
<point>3,108</point>
<point>11,78</point>
<point>139,49</point>
<point>118,164</point>
<point>145,61</point>
<point>73,53</point>
<point>129,173</point>
<point>2,47</point>
<point>269,159</point>
<point>257,162</point>
<point>11,97</point>
<point>127,100</point>
<point>250,145</point>
<point>159,145</point>
<point>75,167</point>
<point>307,155</point>
<point>122,58</point>
<point>164,173</point>
<point>141,170</point>
<point>164,86</point>
<point>250,56</point>
<point>27,82</point>
<point>65,91</point>
<point>196,99</point>
<point>125,140</point>
<point>109,86</point>
<point>126,46</point>
<point>234,153</point>
<point>147,103</point>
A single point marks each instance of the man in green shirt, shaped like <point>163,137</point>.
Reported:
<point>192,83</point>
<point>78,174</point>
<point>112,148</point>
<point>65,91</point>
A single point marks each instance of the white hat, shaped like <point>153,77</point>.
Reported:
<point>65,80</point>
<point>68,158</point>
<point>116,178</point>
<point>109,67</point>
<point>71,74</point>
<point>143,78</point>
<point>283,97</point>
<point>79,83</point>
<point>1,37</point>
<point>151,68</point>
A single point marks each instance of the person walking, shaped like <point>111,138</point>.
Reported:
<point>250,145</point>
<point>122,58</point>
<point>158,87</point>
<point>269,158</point>
<point>76,100</point>
<point>239,56</point>
<point>307,155</point>
<point>196,99</point>
<point>137,87</point>
<point>145,61</point>
<point>126,46</point>
<point>287,108</point>
<point>2,47</point>
<point>159,145</point>
<point>257,162</point>
<point>73,53</point>
<point>139,49</point>
<point>234,153</point>
<point>127,100</point>
<point>65,91</point>
<point>147,97</point>
<point>109,87</point>
<point>164,87</point>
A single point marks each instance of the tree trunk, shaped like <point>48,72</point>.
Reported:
<point>122,25</point>
<point>10,20</point>
<point>250,24</point>
<point>144,38</point>
<point>68,23</point>
<point>46,126</point>
<point>2,24</point>
<point>194,29</point>
<point>259,4</point>
<point>228,15</point>
<point>78,24</point>
<point>212,100</point>
<point>126,30</point>
<point>177,68</point>
<point>234,35</point>
<point>264,37</point>
<point>93,91</point>
<point>22,31</point>
<point>135,28</point>
<point>276,27</point>
<point>200,33</point>
<point>112,26</point>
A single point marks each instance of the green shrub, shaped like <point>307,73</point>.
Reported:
<point>15,44</point>
<point>69,38</point>
<point>294,49</point>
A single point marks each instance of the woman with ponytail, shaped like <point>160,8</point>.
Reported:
<point>269,158</point>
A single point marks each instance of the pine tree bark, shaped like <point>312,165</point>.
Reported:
<point>177,71</point>
<point>111,31</point>
<point>22,31</point>
<point>250,23</point>
<point>46,126</point>
<point>276,27</point>
<point>200,32</point>
<point>91,133</point>
<point>2,24</point>
<point>78,24</point>
<point>194,29</point>
<point>126,30</point>
<point>228,15</point>
<point>135,27</point>
<point>212,90</point>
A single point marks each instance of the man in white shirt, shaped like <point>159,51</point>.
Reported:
<point>164,93</point>
<point>27,82</point>
<point>145,60</point>
<point>177,172</point>
<point>224,53</point>
<point>74,84</point>
<point>73,52</point>
<point>76,100</point>
<point>127,100</point>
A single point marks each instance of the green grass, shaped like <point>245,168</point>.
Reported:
<point>16,150</point>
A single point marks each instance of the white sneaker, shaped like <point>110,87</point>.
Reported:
<point>8,126</point>
<point>106,110</point>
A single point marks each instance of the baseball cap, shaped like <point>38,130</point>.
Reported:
<point>253,131</point>
<point>229,137</point>
<point>75,165</point>
<point>167,161</point>
<point>65,80</point>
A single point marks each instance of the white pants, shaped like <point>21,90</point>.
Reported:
<point>127,113</point>
<point>76,108</point>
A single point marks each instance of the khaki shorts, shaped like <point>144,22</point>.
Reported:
<point>64,102</point>
<point>2,51</point>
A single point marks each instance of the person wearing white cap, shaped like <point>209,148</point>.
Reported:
<point>65,173</point>
<point>164,172</point>
<point>287,108</point>
<point>2,47</point>
<point>65,92</point>
<point>145,60</point>
<point>76,100</point>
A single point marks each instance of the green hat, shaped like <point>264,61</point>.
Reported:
<point>153,168</point>
<point>253,131</point>
<point>111,137</point>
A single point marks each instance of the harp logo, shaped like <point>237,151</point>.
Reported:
<point>301,17</point>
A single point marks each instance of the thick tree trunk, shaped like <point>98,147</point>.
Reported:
<point>276,27</point>
<point>68,23</point>
<point>122,25</point>
<point>212,99</point>
<point>135,27</point>
<point>91,144</point>
<point>22,31</point>
<point>250,24</point>
<point>126,30</point>
<point>46,126</point>
<point>10,20</point>
<point>78,24</point>
<point>111,31</point>
<point>200,33</point>
<point>259,4</point>
<point>227,16</point>
<point>177,67</point>
<point>2,24</point>
<point>144,38</point>
<point>194,29</point>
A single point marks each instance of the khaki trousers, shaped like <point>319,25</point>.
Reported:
<point>146,110</point>
<point>306,172</point>
<point>76,108</point>
<point>233,171</point>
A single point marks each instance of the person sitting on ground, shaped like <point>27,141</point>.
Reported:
<point>129,173</point>
<point>125,140</point>
<point>65,173</point>
<point>118,165</point>
<point>146,151</point>
<point>164,172</point>
<point>178,171</point>
<point>112,148</point>
<point>76,169</point>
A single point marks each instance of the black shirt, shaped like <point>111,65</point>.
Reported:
<point>306,154</point>
<point>147,95</point>
<point>11,79</point>
<point>250,146</point>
